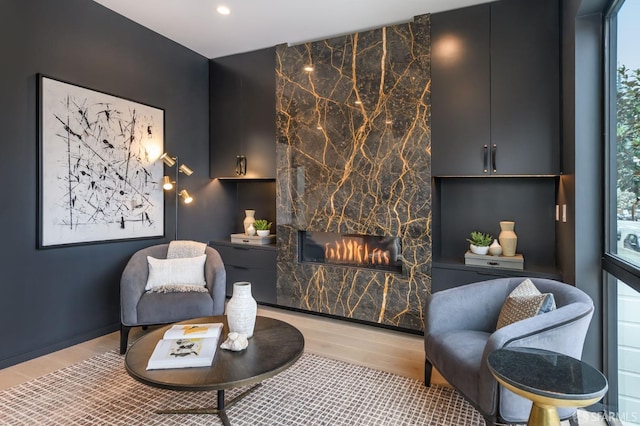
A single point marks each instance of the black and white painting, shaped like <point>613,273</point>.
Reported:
<point>99,175</point>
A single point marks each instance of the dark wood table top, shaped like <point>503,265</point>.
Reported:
<point>275,346</point>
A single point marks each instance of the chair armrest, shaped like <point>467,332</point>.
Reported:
<point>132,283</point>
<point>469,307</point>
<point>216,278</point>
<point>562,330</point>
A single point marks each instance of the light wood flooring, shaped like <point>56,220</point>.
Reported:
<point>396,352</point>
<point>381,349</point>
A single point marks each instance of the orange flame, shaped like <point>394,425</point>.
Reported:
<point>350,250</point>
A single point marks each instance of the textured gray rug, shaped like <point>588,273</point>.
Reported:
<point>314,391</point>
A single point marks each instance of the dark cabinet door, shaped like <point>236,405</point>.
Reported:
<point>225,108</point>
<point>255,264</point>
<point>460,91</point>
<point>495,89</point>
<point>525,86</point>
<point>243,118</point>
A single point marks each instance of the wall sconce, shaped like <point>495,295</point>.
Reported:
<point>168,184</point>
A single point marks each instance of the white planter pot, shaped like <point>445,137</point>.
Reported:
<point>263,232</point>
<point>478,250</point>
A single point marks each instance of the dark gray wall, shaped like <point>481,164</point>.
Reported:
<point>53,298</point>
<point>580,242</point>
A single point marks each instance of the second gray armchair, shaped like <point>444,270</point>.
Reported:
<point>460,333</point>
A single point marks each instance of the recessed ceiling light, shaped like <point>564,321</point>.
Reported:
<point>223,10</point>
<point>308,68</point>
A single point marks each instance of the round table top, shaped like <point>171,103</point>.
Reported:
<point>547,373</point>
<point>275,346</point>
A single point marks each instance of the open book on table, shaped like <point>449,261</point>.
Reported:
<point>186,345</point>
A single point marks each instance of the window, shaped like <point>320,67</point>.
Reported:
<point>622,252</point>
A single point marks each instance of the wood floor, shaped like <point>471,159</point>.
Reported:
<point>396,352</point>
<point>381,349</point>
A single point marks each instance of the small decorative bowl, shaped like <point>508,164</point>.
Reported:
<point>263,232</point>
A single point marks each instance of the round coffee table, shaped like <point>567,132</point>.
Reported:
<point>275,346</point>
<point>549,379</point>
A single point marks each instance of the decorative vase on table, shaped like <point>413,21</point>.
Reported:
<point>248,220</point>
<point>242,309</point>
<point>508,238</point>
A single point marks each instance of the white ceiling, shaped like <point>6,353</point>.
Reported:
<point>255,24</point>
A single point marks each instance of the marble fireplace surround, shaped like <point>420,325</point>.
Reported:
<point>353,157</point>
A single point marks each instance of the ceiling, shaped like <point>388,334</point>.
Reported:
<point>255,24</point>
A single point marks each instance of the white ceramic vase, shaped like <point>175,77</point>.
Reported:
<point>242,309</point>
<point>251,231</point>
<point>495,249</point>
<point>508,238</point>
<point>249,220</point>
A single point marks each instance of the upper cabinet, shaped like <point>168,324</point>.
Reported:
<point>243,119</point>
<point>495,90</point>
<point>460,91</point>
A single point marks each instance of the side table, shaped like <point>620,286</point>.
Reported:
<point>548,379</point>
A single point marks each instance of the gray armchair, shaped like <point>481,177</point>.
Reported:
<point>141,308</point>
<point>460,332</point>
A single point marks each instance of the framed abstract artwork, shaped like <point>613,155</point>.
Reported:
<point>99,178</point>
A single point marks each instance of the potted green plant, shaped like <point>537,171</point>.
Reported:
<point>479,242</point>
<point>263,227</point>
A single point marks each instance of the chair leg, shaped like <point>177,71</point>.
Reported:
<point>124,337</point>
<point>427,373</point>
<point>573,420</point>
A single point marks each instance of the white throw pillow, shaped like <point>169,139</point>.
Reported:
<point>183,271</point>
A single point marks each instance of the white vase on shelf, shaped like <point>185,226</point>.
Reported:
<point>495,249</point>
<point>251,231</point>
<point>249,220</point>
<point>242,309</point>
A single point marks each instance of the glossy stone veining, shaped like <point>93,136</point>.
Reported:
<point>353,156</point>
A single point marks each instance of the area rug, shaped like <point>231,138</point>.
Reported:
<point>314,391</point>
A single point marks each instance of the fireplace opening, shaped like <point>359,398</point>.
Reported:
<point>361,251</point>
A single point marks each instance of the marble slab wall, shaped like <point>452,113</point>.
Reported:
<point>353,156</point>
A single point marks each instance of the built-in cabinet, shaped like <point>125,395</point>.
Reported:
<point>495,89</point>
<point>243,117</point>
<point>256,264</point>
<point>495,112</point>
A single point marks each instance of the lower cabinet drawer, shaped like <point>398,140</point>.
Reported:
<point>263,282</point>
<point>247,257</point>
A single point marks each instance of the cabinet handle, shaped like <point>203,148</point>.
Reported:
<point>241,165</point>
<point>494,148</point>
<point>486,159</point>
